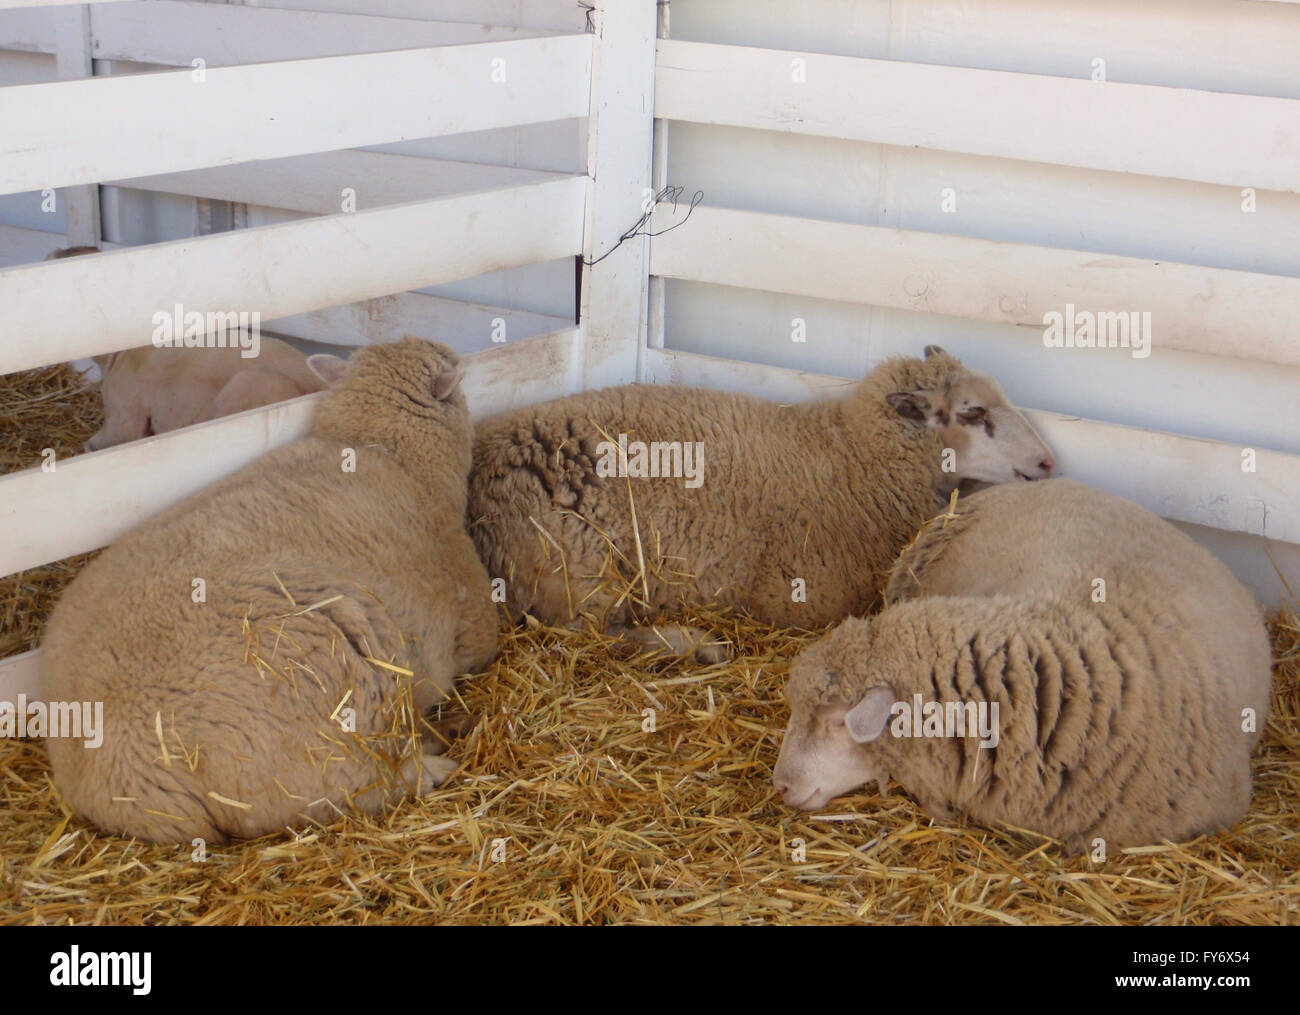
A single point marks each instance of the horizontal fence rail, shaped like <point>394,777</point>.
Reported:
<point>1181,478</point>
<point>1128,128</point>
<point>1205,310</point>
<point>351,324</point>
<point>90,500</point>
<point>9,4</point>
<point>282,270</point>
<point>75,132</point>
<point>173,33</point>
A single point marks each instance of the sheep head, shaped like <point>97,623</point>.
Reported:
<point>831,742</point>
<point>992,441</point>
<point>402,395</point>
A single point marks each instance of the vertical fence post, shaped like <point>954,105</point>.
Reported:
<point>73,56</point>
<point>620,139</point>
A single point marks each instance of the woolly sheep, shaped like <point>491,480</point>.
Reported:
<point>328,589</point>
<point>1120,656</point>
<point>152,390</point>
<point>802,508</point>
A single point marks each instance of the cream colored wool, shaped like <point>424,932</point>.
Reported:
<point>1129,720</point>
<point>226,718</point>
<point>800,511</point>
<point>151,390</point>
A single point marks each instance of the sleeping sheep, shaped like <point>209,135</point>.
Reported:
<point>151,390</point>
<point>1051,657</point>
<point>792,512</point>
<point>266,649</point>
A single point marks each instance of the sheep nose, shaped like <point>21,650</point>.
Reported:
<point>1047,465</point>
<point>781,789</point>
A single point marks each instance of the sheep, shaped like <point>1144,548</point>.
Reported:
<point>265,649</point>
<point>151,390</point>
<point>1120,673</point>
<point>802,510</point>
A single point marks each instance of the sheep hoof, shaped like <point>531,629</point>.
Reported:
<point>678,640</point>
<point>427,772</point>
<point>438,769</point>
<point>714,651</point>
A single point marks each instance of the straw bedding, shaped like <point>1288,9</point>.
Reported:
<point>567,810</point>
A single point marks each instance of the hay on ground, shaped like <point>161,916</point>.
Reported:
<point>55,408</point>
<point>569,809</point>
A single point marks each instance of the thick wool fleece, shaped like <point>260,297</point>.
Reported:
<point>1121,719</point>
<point>827,492</point>
<point>226,718</point>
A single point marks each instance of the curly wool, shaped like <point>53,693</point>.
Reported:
<point>826,492</point>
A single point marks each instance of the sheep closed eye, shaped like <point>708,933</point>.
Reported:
<point>972,416</point>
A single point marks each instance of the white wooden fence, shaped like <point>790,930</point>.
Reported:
<point>285,99</point>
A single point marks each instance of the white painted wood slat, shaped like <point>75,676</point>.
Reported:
<point>1207,310</point>
<point>1128,128</point>
<point>172,33</point>
<point>89,500</point>
<point>74,132</point>
<point>282,270</point>
<point>29,30</point>
<point>1182,478</point>
<point>8,4</point>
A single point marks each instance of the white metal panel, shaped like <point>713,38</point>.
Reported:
<point>1214,397</point>
<point>1216,45</point>
<point>73,132</point>
<point>1118,127</point>
<point>282,270</point>
<point>1208,310</point>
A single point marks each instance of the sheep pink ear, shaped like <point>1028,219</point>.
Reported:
<point>447,382</point>
<point>327,368</point>
<point>866,720</point>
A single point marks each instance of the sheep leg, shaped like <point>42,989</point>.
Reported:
<point>676,640</point>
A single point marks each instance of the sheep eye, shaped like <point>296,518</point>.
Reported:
<point>975,415</point>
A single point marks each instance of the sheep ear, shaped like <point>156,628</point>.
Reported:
<point>446,382</point>
<point>934,350</point>
<point>866,720</point>
<point>327,368</point>
<point>913,405</point>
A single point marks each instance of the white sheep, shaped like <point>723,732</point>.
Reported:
<point>1117,675</point>
<point>266,649</point>
<point>792,512</point>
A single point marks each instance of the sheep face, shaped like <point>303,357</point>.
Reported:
<point>991,441</point>
<point>828,748</point>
